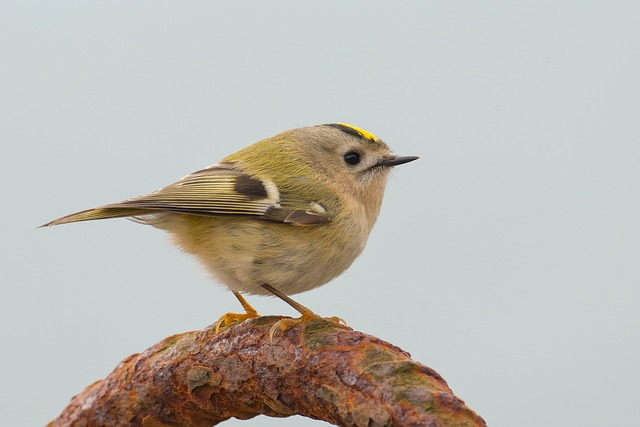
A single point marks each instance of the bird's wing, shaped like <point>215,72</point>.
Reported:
<point>220,190</point>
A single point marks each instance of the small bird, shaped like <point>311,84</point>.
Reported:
<point>282,216</point>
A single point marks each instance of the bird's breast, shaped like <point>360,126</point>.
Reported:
<point>244,253</point>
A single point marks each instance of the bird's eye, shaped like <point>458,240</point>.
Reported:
<point>352,158</point>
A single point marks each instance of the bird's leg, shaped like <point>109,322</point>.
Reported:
<point>306,314</point>
<point>232,318</point>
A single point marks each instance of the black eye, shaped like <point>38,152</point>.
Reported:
<point>352,158</point>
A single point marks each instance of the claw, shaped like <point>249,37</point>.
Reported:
<point>288,323</point>
<point>233,318</point>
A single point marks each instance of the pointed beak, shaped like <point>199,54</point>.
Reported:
<point>397,160</point>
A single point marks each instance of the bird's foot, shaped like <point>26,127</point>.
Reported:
<point>288,322</point>
<point>233,318</point>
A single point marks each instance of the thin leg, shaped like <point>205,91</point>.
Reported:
<point>307,314</point>
<point>233,318</point>
<point>296,305</point>
<point>247,307</point>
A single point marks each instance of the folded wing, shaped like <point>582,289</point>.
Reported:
<point>219,190</point>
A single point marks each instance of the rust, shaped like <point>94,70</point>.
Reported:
<point>315,369</point>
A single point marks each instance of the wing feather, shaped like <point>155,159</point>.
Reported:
<point>219,190</point>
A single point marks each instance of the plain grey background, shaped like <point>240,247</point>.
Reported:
<point>506,258</point>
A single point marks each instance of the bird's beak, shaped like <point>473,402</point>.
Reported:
<point>397,160</point>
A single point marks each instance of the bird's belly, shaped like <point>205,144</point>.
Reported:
<point>244,254</point>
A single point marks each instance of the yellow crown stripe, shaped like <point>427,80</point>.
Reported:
<point>364,133</point>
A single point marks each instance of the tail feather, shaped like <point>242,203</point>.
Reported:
<point>98,213</point>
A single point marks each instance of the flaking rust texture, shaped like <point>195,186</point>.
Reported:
<point>316,369</point>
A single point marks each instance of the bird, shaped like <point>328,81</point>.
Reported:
<point>279,217</point>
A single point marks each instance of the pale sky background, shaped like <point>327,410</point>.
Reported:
<point>506,258</point>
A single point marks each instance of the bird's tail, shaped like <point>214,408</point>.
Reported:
<point>100,213</point>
